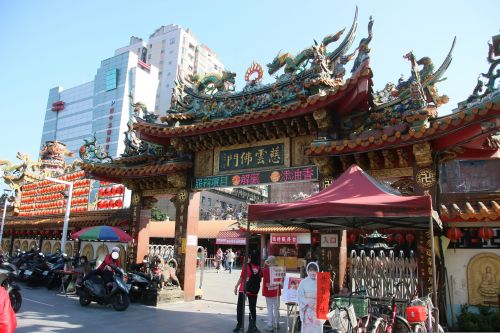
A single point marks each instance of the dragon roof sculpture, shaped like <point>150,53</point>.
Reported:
<point>201,99</point>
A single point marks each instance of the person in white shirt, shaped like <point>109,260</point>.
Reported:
<point>230,260</point>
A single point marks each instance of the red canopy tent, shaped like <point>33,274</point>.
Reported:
<point>353,200</point>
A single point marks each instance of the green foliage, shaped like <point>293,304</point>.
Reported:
<point>486,320</point>
<point>158,215</point>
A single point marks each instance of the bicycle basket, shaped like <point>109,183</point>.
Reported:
<point>339,320</point>
<point>360,304</point>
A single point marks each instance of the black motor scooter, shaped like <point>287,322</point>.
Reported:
<point>7,281</point>
<point>93,289</point>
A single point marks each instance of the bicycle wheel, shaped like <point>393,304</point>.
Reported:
<point>419,328</point>
<point>378,326</point>
<point>401,325</point>
<point>363,325</point>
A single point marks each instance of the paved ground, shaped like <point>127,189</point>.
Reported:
<point>48,311</point>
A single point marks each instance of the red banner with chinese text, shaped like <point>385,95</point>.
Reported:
<point>323,295</point>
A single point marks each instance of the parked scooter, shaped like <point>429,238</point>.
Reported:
<point>139,283</point>
<point>7,281</point>
<point>94,289</point>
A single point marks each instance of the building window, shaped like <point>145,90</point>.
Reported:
<point>162,51</point>
<point>172,41</point>
<point>209,202</point>
<point>149,56</point>
<point>170,62</point>
<point>111,79</point>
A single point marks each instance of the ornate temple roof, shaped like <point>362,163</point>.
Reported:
<point>476,120</point>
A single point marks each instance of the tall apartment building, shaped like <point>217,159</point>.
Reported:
<point>101,106</point>
<point>173,50</point>
<point>145,70</point>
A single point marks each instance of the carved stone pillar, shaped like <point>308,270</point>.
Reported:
<point>186,234</point>
<point>140,216</point>
<point>326,170</point>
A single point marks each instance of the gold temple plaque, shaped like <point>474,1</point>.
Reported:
<point>483,279</point>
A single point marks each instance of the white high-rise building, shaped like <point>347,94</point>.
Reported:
<point>173,49</point>
<point>145,71</point>
<point>102,106</point>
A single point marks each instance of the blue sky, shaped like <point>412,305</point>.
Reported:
<point>49,43</point>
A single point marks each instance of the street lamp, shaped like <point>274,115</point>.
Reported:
<point>68,207</point>
<point>7,198</point>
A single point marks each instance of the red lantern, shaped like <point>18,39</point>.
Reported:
<point>399,239</point>
<point>119,203</point>
<point>454,234</point>
<point>389,239</point>
<point>101,192</point>
<point>351,239</point>
<point>409,238</point>
<point>486,233</point>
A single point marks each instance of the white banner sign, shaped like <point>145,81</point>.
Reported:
<point>276,274</point>
<point>192,240</point>
<point>330,240</point>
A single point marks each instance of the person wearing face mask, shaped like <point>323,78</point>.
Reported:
<point>105,268</point>
<point>307,299</point>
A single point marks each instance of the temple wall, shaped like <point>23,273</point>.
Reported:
<point>457,261</point>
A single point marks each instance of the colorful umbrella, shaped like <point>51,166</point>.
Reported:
<point>102,233</point>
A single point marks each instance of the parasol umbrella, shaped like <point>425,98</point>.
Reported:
<point>102,233</point>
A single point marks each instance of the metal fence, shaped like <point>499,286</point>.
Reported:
<point>384,276</point>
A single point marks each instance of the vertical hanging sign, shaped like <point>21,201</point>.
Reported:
<point>323,295</point>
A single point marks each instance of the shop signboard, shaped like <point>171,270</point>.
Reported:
<point>330,240</point>
<point>283,239</point>
<point>278,175</point>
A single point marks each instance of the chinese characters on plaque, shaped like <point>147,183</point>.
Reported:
<point>283,175</point>
<point>252,157</point>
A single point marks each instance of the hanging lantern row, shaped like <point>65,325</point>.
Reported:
<point>106,204</point>
<point>454,234</point>
<point>34,233</point>
<point>73,176</point>
<point>486,233</point>
<point>111,191</point>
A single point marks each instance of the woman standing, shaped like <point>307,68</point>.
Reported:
<point>252,268</point>
<point>306,296</point>
<point>271,292</point>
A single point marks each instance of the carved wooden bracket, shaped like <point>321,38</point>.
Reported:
<point>325,165</point>
<point>376,160</point>
<point>423,154</point>
<point>177,180</point>
<point>322,118</point>
<point>148,202</point>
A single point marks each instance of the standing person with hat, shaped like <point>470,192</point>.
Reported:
<point>271,292</point>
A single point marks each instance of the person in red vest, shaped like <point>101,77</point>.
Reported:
<point>271,292</point>
<point>8,320</point>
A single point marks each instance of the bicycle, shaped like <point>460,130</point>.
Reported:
<point>343,317</point>
<point>388,320</point>
<point>419,314</point>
